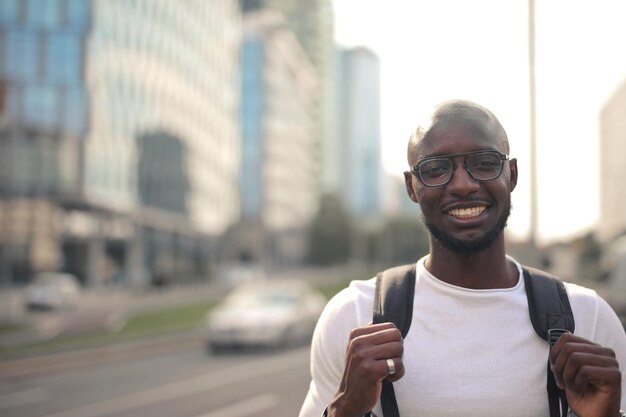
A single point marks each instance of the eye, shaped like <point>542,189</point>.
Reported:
<point>435,168</point>
<point>485,163</point>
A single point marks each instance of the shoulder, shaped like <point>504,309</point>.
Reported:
<point>353,304</point>
<point>585,300</point>
<point>595,319</point>
<point>348,309</point>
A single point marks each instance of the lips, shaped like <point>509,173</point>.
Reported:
<point>466,212</point>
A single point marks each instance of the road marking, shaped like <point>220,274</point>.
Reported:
<point>17,399</point>
<point>196,385</point>
<point>247,408</point>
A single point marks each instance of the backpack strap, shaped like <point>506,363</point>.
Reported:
<point>393,302</point>
<point>393,298</point>
<point>551,316</point>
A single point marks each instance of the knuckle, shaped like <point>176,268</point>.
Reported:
<point>609,352</point>
<point>359,356</point>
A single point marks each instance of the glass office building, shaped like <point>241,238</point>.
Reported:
<point>279,182</point>
<point>119,140</point>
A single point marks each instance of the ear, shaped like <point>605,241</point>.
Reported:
<point>408,183</point>
<point>513,175</point>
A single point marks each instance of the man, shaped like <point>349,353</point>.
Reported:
<point>471,350</point>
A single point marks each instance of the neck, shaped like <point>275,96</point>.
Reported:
<point>487,269</point>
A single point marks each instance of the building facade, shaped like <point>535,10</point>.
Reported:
<point>120,140</point>
<point>280,148</point>
<point>612,219</point>
<point>312,23</point>
<point>360,160</point>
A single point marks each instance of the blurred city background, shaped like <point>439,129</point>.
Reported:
<point>159,154</point>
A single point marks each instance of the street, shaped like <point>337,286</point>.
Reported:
<point>185,382</point>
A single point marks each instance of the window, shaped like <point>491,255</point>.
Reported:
<point>9,11</point>
<point>44,14</point>
<point>21,55</point>
<point>75,111</point>
<point>78,13</point>
<point>63,58</point>
<point>40,106</point>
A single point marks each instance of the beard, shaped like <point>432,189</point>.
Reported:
<point>463,247</point>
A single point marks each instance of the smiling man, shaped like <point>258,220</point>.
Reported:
<point>472,350</point>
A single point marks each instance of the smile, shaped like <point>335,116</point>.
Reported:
<point>466,213</point>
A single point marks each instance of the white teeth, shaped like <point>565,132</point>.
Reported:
<point>466,213</point>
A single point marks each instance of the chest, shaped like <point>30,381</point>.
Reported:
<point>473,357</point>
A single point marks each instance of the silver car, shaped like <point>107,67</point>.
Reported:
<point>52,291</point>
<point>265,314</point>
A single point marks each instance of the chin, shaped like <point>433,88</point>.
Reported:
<point>469,246</point>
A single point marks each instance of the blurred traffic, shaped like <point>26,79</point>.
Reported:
<point>52,291</point>
<point>265,314</point>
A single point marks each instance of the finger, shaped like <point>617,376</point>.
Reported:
<point>560,356</point>
<point>387,335</point>
<point>566,344</point>
<point>397,367</point>
<point>368,361</point>
<point>569,357</point>
<point>564,340</point>
<point>575,375</point>
<point>597,378</point>
<point>370,328</point>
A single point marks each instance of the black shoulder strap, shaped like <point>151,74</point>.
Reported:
<point>393,299</point>
<point>548,304</point>
<point>393,302</point>
<point>551,316</point>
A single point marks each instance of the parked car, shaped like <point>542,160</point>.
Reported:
<point>265,314</point>
<point>52,291</point>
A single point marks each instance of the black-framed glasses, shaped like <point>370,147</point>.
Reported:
<point>436,171</point>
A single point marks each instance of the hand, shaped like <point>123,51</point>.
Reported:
<point>590,375</point>
<point>365,368</point>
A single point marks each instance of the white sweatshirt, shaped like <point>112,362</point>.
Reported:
<point>471,353</point>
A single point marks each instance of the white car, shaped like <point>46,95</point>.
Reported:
<point>265,314</point>
<point>52,291</point>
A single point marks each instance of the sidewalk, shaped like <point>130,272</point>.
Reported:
<point>97,310</point>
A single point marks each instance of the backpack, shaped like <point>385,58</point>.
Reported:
<point>548,306</point>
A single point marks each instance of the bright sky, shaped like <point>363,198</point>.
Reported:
<point>434,50</point>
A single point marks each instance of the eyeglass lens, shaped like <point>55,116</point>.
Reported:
<point>482,166</point>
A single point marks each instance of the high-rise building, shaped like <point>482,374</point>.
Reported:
<point>612,219</point>
<point>359,147</point>
<point>120,143</point>
<point>312,23</point>
<point>279,145</point>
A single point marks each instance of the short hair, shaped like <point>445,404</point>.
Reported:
<point>479,118</point>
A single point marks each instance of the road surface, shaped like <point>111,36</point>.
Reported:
<point>184,382</point>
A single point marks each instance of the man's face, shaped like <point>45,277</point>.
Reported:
<point>465,215</point>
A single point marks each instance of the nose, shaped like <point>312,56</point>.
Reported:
<point>462,183</point>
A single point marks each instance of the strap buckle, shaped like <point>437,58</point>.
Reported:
<point>554,334</point>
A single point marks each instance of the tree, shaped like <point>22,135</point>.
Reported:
<point>403,239</point>
<point>589,255</point>
<point>329,235</point>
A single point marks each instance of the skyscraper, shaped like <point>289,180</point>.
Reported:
<point>359,143</point>
<point>120,140</point>
<point>280,146</point>
<point>312,23</point>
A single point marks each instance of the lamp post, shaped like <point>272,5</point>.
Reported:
<point>533,139</point>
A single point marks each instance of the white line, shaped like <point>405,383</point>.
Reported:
<point>17,399</point>
<point>249,407</point>
<point>179,389</point>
